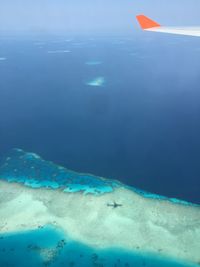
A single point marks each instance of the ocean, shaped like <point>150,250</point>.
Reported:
<point>125,108</point>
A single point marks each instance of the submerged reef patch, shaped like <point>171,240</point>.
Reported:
<point>58,51</point>
<point>93,63</point>
<point>50,247</point>
<point>98,82</point>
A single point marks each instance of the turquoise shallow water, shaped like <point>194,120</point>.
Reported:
<point>33,171</point>
<point>47,247</point>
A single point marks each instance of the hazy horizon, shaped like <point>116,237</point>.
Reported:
<point>95,17</point>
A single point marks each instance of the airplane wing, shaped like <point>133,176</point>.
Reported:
<point>149,25</point>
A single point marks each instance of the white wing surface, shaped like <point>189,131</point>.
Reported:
<point>149,25</point>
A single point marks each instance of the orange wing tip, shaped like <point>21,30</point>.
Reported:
<point>146,23</point>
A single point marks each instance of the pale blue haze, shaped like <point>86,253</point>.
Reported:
<point>92,16</point>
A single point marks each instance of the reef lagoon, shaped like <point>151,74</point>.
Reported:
<point>51,216</point>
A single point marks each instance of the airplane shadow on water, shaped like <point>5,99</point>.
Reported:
<point>47,247</point>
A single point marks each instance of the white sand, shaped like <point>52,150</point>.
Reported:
<point>141,224</point>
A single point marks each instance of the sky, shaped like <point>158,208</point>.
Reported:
<point>92,16</point>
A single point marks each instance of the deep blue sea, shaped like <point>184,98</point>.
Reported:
<point>141,125</point>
